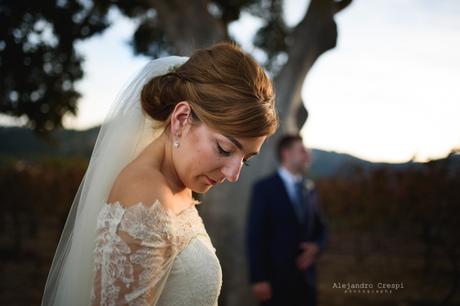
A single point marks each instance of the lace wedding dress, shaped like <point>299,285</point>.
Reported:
<point>109,254</point>
<point>147,255</point>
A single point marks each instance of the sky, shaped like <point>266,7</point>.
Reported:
<point>388,92</point>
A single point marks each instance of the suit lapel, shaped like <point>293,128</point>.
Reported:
<point>285,196</point>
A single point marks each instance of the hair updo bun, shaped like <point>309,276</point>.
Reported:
<point>160,95</point>
<point>226,89</point>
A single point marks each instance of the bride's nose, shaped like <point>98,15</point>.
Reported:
<point>232,169</point>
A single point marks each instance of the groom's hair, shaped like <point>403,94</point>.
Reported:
<point>285,142</point>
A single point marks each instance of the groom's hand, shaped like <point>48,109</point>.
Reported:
<point>262,291</point>
<point>308,256</point>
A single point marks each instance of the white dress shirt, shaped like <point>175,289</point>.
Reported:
<point>289,180</point>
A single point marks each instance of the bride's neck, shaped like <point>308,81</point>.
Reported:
<point>159,156</point>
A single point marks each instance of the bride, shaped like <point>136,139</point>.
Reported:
<point>133,235</point>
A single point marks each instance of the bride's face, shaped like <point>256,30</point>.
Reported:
<point>206,157</point>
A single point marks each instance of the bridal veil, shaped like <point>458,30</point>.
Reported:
<point>124,133</point>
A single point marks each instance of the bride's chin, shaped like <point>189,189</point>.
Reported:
<point>203,188</point>
<point>201,191</point>
<point>206,187</point>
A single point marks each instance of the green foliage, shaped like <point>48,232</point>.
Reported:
<point>377,213</point>
<point>415,204</point>
<point>38,62</point>
<point>150,37</point>
<point>273,35</point>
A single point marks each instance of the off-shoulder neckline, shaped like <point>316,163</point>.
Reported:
<point>156,202</point>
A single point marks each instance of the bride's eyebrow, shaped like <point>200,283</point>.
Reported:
<point>239,145</point>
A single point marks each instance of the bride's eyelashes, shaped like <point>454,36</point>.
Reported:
<point>226,153</point>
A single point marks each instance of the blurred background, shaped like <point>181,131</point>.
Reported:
<point>372,86</point>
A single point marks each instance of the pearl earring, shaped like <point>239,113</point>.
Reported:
<point>176,142</point>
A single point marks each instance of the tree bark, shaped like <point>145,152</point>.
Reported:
<point>315,34</point>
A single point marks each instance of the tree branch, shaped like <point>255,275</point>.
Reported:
<point>314,35</point>
<point>340,5</point>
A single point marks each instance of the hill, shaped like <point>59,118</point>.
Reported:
<point>19,142</point>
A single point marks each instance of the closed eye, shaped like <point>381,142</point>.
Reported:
<point>222,151</point>
<point>226,153</point>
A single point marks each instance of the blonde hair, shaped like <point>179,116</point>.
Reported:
<point>226,88</point>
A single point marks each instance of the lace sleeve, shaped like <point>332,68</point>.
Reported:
<point>133,254</point>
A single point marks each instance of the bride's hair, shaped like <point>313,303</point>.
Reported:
<point>226,88</point>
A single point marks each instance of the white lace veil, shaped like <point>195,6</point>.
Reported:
<point>124,133</point>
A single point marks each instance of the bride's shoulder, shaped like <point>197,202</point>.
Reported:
<point>134,209</point>
<point>137,183</point>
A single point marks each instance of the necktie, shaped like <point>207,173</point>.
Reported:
<point>300,199</point>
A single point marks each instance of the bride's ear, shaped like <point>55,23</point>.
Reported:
<point>179,117</point>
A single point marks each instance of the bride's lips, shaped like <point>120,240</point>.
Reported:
<point>210,181</point>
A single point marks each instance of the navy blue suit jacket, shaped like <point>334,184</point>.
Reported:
<point>274,233</point>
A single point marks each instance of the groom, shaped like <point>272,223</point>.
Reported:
<point>285,231</point>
